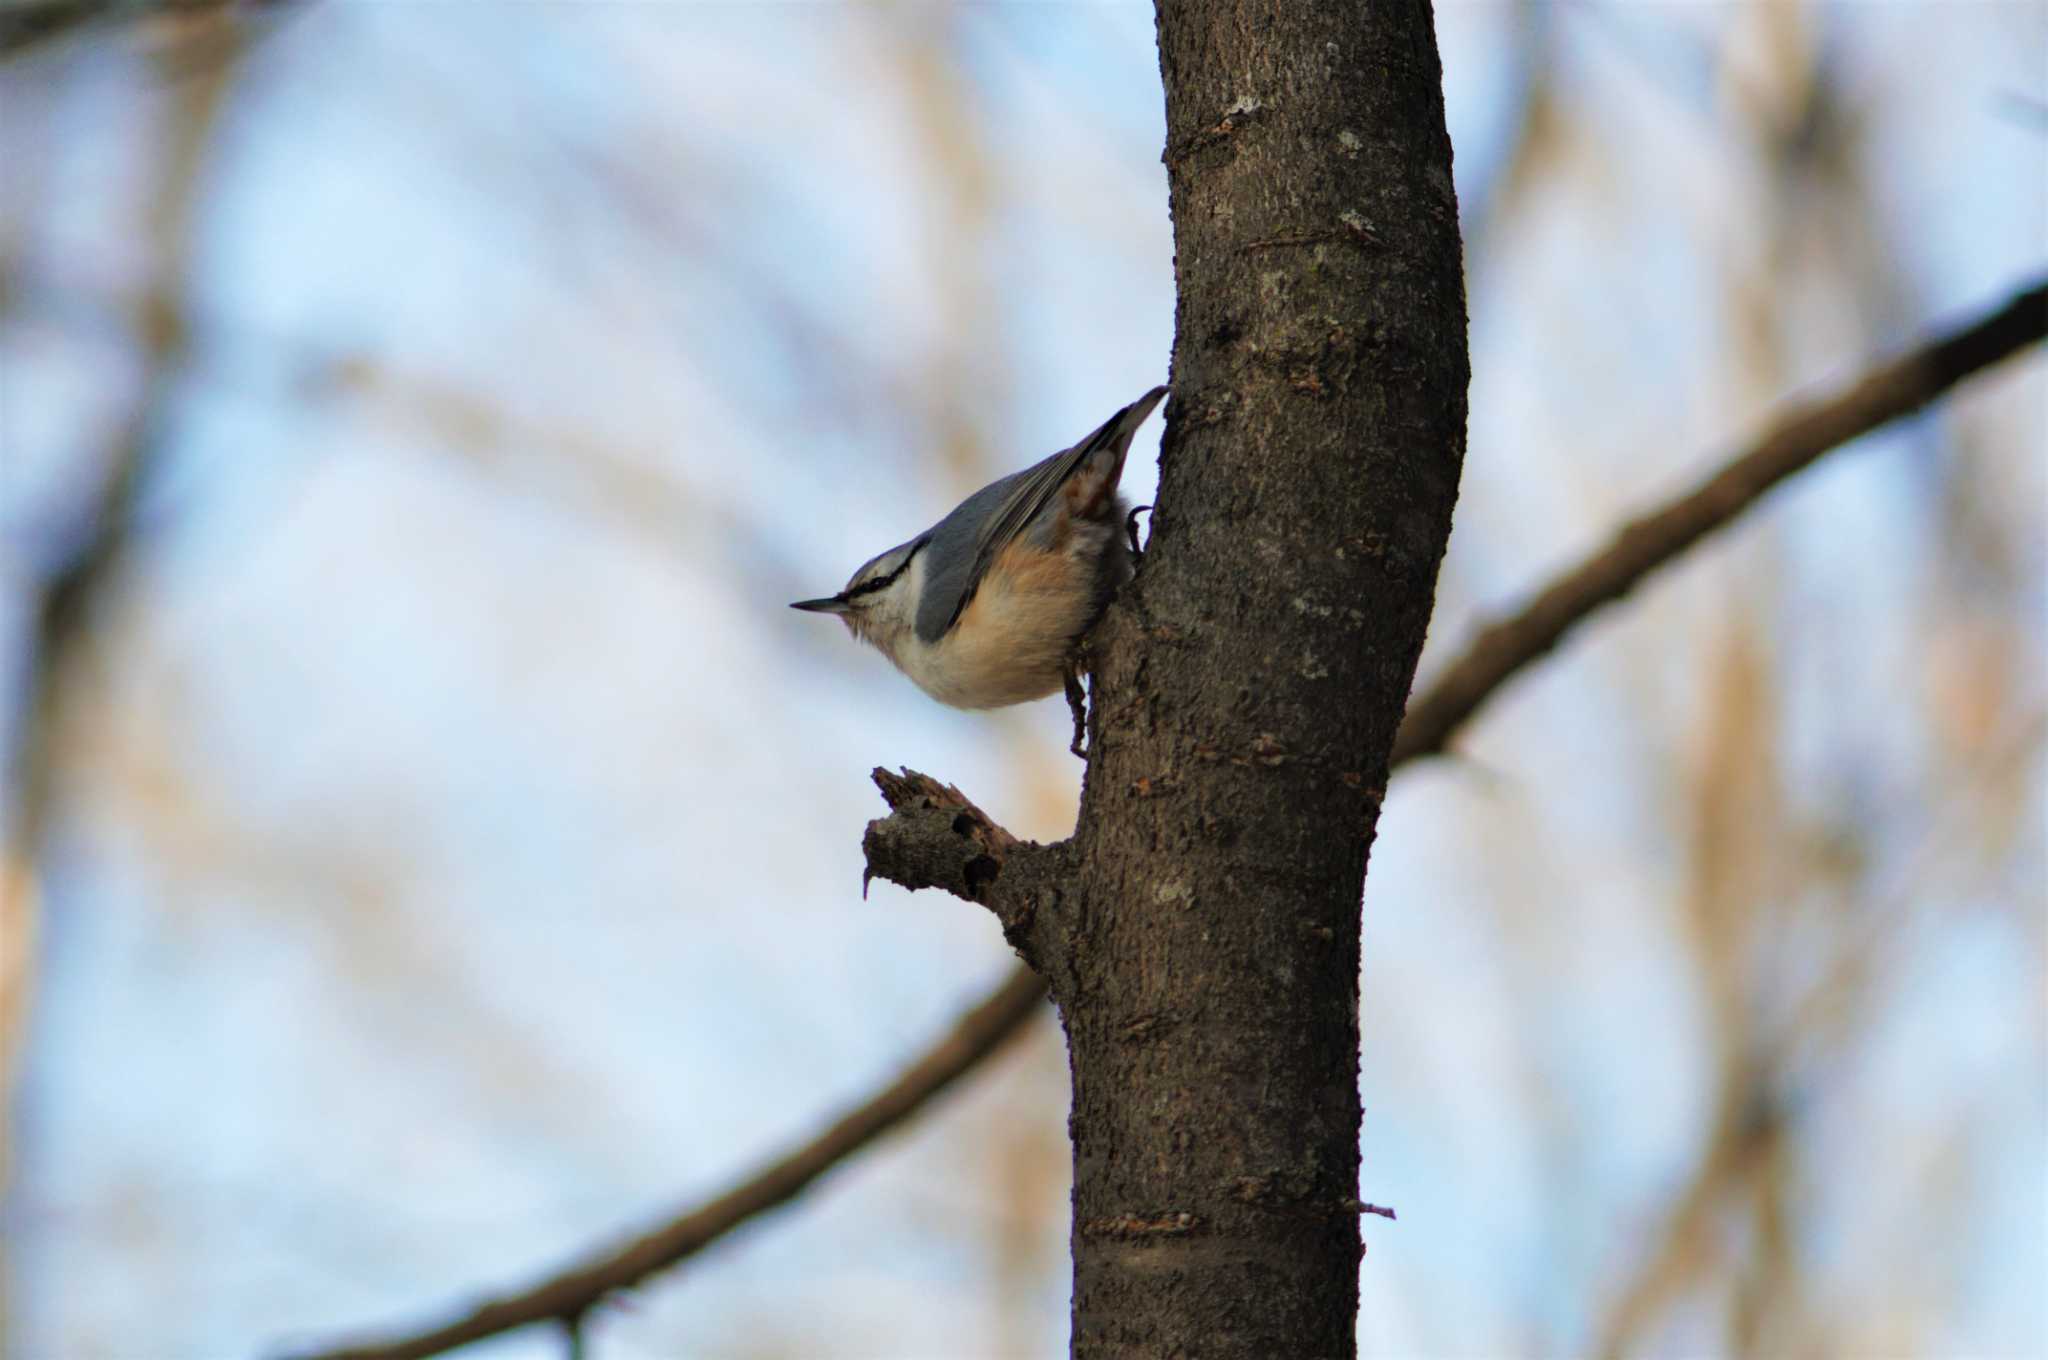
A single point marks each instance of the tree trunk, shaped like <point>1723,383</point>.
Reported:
<point>1200,931</point>
<point>1251,680</point>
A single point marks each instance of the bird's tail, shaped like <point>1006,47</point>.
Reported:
<point>1098,460</point>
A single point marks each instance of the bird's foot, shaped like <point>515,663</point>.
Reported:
<point>1131,528</point>
<point>1077,704</point>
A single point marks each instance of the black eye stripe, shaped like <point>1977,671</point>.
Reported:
<point>883,582</point>
<point>870,587</point>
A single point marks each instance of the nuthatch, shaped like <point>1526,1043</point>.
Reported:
<point>988,606</point>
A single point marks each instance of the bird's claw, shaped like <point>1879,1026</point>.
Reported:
<point>1077,704</point>
<point>1131,528</point>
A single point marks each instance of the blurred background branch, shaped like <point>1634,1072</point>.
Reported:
<point>1784,1069</point>
<point>79,561</point>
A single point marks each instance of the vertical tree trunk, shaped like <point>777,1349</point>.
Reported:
<point>1251,680</point>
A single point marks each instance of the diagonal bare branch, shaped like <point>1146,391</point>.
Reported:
<point>1797,439</point>
<point>1794,441</point>
<point>571,1294</point>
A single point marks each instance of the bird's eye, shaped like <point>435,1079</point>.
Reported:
<point>872,584</point>
<point>882,579</point>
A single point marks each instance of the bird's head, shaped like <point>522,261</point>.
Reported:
<point>879,604</point>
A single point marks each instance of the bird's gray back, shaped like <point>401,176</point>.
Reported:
<point>952,548</point>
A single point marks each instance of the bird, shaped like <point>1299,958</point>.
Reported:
<point>988,607</point>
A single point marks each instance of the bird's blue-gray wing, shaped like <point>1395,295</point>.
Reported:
<point>964,543</point>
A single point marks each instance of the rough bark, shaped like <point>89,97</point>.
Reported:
<point>1204,947</point>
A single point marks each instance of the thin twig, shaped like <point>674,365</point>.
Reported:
<point>1794,441</point>
<point>1893,390</point>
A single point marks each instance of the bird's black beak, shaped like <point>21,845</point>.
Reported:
<point>831,604</point>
